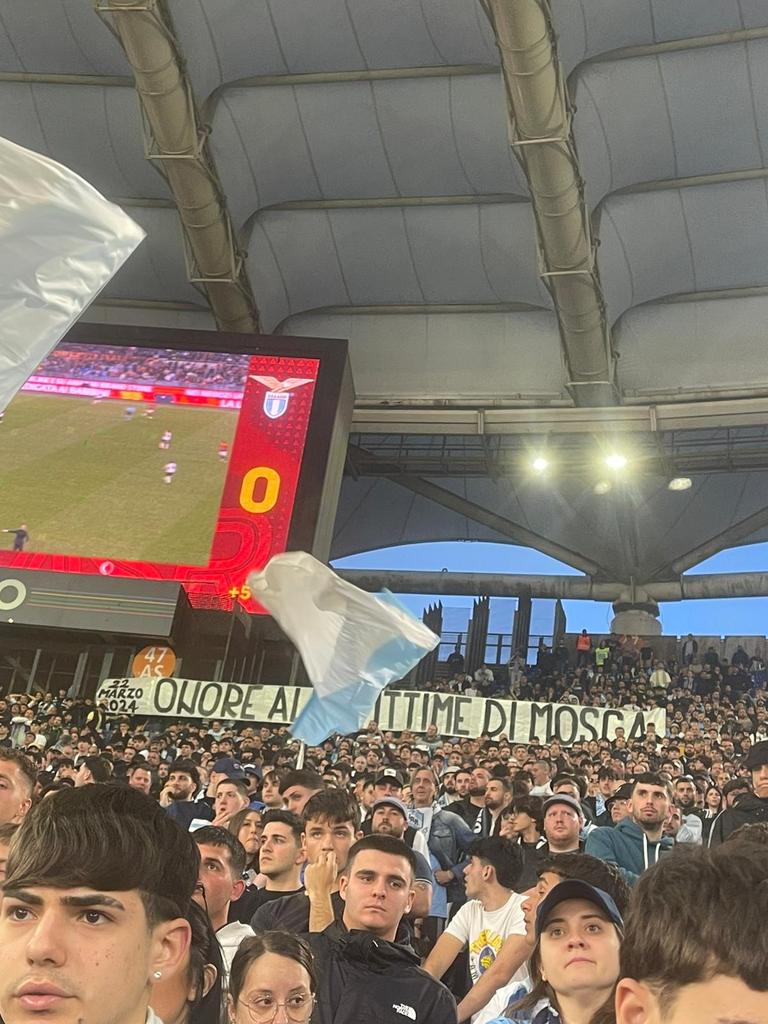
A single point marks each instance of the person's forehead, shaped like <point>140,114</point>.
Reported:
<point>218,853</point>
<point>382,863</point>
<point>276,828</point>
<point>319,824</point>
<point>388,809</point>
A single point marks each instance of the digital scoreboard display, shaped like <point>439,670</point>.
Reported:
<point>187,457</point>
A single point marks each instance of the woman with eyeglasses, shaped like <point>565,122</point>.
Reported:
<point>272,981</point>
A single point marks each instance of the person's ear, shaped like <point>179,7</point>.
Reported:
<point>170,948</point>
<point>343,886</point>
<point>230,1008</point>
<point>358,835</point>
<point>238,888</point>
<point>210,974</point>
<point>635,1003</point>
<point>409,903</point>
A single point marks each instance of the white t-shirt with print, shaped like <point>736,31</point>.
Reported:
<point>484,932</point>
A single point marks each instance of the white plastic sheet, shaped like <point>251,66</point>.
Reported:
<point>352,643</point>
<point>60,243</point>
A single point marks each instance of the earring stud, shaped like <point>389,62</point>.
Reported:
<point>158,974</point>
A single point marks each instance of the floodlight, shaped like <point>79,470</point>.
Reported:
<point>616,461</point>
<point>680,483</point>
<point>540,464</point>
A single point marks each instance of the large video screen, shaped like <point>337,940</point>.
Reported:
<point>153,462</point>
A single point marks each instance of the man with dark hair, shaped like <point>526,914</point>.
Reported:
<point>695,945</point>
<point>363,973</point>
<point>298,786</point>
<point>18,776</point>
<point>97,889</point>
<point>281,856</point>
<point>331,821</point>
<point>498,796</point>
<point>92,769</point>
<point>219,883</point>
<point>492,915</point>
<point>636,842</point>
<point>178,794</point>
<point>751,807</point>
<point>389,817</point>
<point>140,777</point>
<point>607,783</point>
<point>692,818</point>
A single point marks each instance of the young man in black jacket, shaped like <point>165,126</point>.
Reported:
<point>364,975</point>
<point>751,807</point>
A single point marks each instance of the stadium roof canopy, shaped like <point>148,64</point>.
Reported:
<point>542,227</point>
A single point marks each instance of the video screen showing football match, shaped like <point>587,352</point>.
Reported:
<point>119,452</point>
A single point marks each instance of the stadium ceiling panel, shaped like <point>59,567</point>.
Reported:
<point>362,147</point>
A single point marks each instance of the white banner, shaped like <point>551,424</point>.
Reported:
<point>396,710</point>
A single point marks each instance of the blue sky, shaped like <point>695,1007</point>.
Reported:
<point>747,616</point>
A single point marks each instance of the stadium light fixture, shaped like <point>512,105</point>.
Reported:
<point>603,486</point>
<point>680,483</point>
<point>615,460</point>
<point>540,464</point>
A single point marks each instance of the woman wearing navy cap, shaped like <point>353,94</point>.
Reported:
<point>575,962</point>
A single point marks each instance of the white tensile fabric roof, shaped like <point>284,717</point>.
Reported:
<point>363,150</point>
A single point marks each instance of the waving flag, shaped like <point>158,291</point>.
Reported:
<point>353,644</point>
<point>60,243</point>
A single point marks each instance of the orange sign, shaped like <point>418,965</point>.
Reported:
<point>154,663</point>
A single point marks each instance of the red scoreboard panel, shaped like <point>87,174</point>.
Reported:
<point>283,464</point>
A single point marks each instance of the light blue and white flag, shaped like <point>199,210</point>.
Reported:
<point>353,644</point>
<point>60,243</point>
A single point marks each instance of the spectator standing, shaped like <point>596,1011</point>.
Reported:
<point>583,649</point>
<point>688,650</point>
<point>636,842</point>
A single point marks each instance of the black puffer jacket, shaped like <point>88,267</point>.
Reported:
<point>365,980</point>
<point>747,810</point>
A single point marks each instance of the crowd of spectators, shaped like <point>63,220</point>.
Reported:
<point>382,876</point>
<point>130,365</point>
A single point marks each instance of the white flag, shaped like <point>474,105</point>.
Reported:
<point>60,243</point>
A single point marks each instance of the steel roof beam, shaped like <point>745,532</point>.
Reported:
<point>541,134</point>
<point>579,588</point>
<point>178,147</point>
